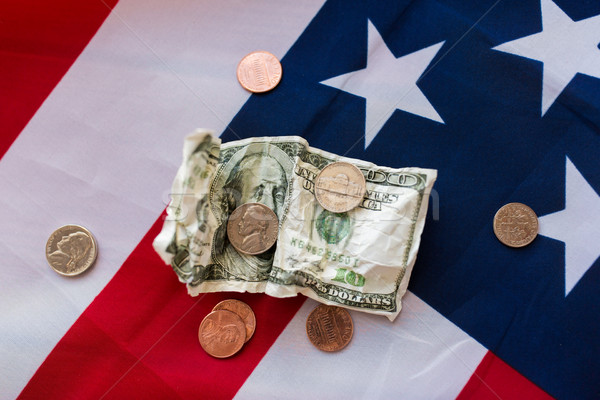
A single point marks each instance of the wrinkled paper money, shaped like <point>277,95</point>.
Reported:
<point>361,259</point>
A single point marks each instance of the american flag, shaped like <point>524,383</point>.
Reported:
<point>501,97</point>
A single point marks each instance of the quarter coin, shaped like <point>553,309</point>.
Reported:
<point>252,228</point>
<point>340,187</point>
<point>329,328</point>
<point>515,225</point>
<point>222,333</point>
<point>71,250</point>
<point>243,310</point>
<point>259,71</point>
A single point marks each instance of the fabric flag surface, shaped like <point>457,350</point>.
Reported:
<point>502,98</point>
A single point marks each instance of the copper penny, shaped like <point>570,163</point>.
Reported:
<point>71,250</point>
<point>340,187</point>
<point>515,225</point>
<point>329,328</point>
<point>222,333</point>
<point>259,71</point>
<point>243,310</point>
<point>252,228</point>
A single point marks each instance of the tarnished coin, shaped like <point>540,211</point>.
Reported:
<point>259,71</point>
<point>252,228</point>
<point>243,310</point>
<point>222,333</point>
<point>515,225</point>
<point>329,328</point>
<point>71,250</point>
<point>340,187</point>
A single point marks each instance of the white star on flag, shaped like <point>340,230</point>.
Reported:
<point>388,83</point>
<point>564,46</point>
<point>578,226</point>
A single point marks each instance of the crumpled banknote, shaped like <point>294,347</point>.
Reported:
<point>361,259</point>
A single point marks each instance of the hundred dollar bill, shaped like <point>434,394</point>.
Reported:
<point>361,259</point>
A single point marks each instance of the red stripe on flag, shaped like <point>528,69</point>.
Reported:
<point>39,41</point>
<point>140,336</point>
<point>494,379</point>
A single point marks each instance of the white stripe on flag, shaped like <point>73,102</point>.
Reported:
<point>421,355</point>
<point>103,149</point>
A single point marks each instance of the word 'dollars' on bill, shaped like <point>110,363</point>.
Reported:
<point>359,256</point>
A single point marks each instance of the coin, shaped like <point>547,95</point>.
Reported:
<point>515,225</point>
<point>329,328</point>
<point>259,71</point>
<point>243,310</point>
<point>340,187</point>
<point>71,250</point>
<point>222,333</point>
<point>252,228</point>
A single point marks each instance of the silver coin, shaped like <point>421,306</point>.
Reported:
<point>340,187</point>
<point>71,250</point>
<point>515,225</point>
<point>252,228</point>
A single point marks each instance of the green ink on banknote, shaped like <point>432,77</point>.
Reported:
<point>325,253</point>
<point>333,227</point>
<point>350,277</point>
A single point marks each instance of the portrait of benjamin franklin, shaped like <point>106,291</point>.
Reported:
<point>257,177</point>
